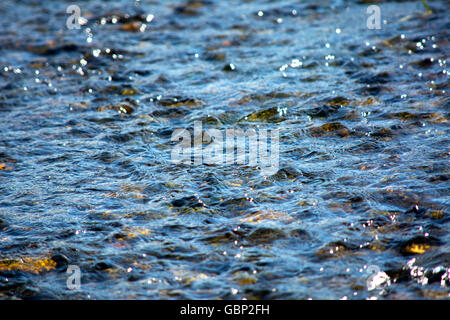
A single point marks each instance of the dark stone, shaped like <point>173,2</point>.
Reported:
<point>399,275</point>
<point>134,276</point>
<point>187,202</point>
<point>441,177</point>
<point>286,173</point>
<point>336,249</point>
<point>3,224</point>
<point>416,210</point>
<point>382,133</point>
<point>61,260</point>
<point>265,235</point>
<point>229,68</point>
<point>323,112</point>
<point>417,245</point>
<point>103,265</point>
<point>165,133</point>
<point>266,115</point>
<point>425,63</point>
<point>170,113</point>
<point>300,233</point>
<point>177,101</point>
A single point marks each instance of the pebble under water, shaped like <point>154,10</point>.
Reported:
<point>358,208</point>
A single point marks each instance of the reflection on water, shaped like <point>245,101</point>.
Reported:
<point>358,208</point>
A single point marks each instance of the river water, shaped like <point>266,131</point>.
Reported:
<point>358,208</point>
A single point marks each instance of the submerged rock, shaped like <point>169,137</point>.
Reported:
<point>192,202</point>
<point>274,114</point>
<point>35,265</point>
<point>265,235</point>
<point>336,249</point>
<point>229,67</point>
<point>3,224</point>
<point>337,101</point>
<point>104,265</point>
<point>323,112</point>
<point>286,173</point>
<point>120,108</point>
<point>425,63</point>
<point>177,101</point>
<point>61,260</point>
<point>418,245</point>
<point>332,128</point>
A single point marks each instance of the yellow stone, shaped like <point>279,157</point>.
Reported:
<point>28,264</point>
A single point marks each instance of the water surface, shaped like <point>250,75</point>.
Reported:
<point>86,118</point>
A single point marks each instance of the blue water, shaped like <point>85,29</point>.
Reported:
<point>87,116</point>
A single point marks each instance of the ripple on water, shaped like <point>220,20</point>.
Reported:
<point>85,170</point>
